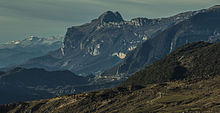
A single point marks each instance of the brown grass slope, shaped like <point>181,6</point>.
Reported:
<point>179,96</point>
<point>195,90</point>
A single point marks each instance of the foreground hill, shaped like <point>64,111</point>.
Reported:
<point>196,60</point>
<point>180,96</point>
<point>190,83</point>
<point>21,84</point>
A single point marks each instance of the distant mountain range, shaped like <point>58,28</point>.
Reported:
<point>187,80</point>
<point>16,52</point>
<point>102,43</point>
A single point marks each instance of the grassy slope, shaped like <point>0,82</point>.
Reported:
<point>195,60</point>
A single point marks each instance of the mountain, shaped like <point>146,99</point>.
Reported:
<point>16,52</point>
<point>21,84</point>
<point>102,43</point>
<point>187,80</point>
<point>204,26</point>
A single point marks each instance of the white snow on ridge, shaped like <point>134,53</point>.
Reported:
<point>32,41</point>
<point>17,42</point>
<point>31,38</point>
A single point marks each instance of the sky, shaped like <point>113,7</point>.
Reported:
<point>20,19</point>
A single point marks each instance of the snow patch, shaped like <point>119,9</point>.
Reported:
<point>62,49</point>
<point>135,34</point>
<point>120,55</point>
<point>81,46</point>
<point>144,38</point>
<point>98,46</point>
<point>17,42</point>
<point>94,51</point>
<point>171,46</point>
<point>131,48</point>
<point>65,63</point>
<point>31,38</point>
<point>215,37</point>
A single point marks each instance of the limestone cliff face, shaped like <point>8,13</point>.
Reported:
<point>204,26</point>
<point>104,42</point>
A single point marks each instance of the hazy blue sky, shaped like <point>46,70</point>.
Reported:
<point>20,19</point>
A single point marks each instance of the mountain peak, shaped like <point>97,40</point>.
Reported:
<point>110,16</point>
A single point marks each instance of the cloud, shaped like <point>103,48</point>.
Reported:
<point>51,10</point>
